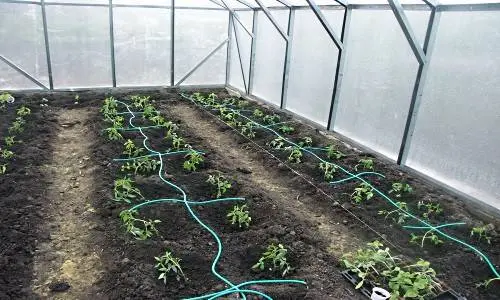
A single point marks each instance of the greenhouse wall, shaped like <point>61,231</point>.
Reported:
<point>418,85</point>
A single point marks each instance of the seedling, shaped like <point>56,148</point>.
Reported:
<point>362,193</point>
<point>17,126</point>
<point>328,170</point>
<point>9,141</point>
<point>295,155</point>
<point>482,232</point>
<point>131,150</point>
<point>23,111</point>
<point>258,113</point>
<point>431,208</point>
<point>143,165</point>
<point>125,190</point>
<point>4,99</point>
<point>274,258</point>
<point>248,130</point>
<point>109,107</point>
<point>116,122</point>
<point>429,235</point>
<point>149,112</point>
<point>6,154</point>
<point>166,264</point>
<point>286,129</point>
<point>177,141</point>
<point>487,282</point>
<point>242,103</point>
<point>399,189</point>
<point>306,142</point>
<point>77,97</point>
<point>333,153</point>
<point>130,220</point>
<point>220,183</point>
<point>140,101</point>
<point>3,169</point>
<point>193,160</point>
<point>401,212</point>
<point>277,143</point>
<point>366,164</point>
<point>113,134</point>
<point>158,120</point>
<point>271,119</point>
<point>240,215</point>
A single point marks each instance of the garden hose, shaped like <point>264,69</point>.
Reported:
<point>233,288</point>
<point>380,193</point>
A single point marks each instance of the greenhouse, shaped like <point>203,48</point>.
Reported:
<point>250,149</point>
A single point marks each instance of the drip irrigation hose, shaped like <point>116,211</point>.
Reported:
<point>233,288</point>
<point>380,193</point>
<point>155,154</point>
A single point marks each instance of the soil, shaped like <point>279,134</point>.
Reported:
<point>62,238</point>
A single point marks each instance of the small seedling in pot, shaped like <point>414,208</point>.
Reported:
<point>431,208</point>
<point>362,193</point>
<point>248,130</point>
<point>401,212</point>
<point>271,119</point>
<point>143,166</point>
<point>399,189</point>
<point>286,129</point>
<point>429,235</point>
<point>140,101</point>
<point>193,160</point>
<point>274,258</point>
<point>295,155</point>
<point>366,164</point>
<point>6,154</point>
<point>23,111</point>
<point>3,169</point>
<point>277,143</point>
<point>258,113</point>
<point>220,183</point>
<point>125,191</point>
<point>239,215</point>
<point>9,141</point>
<point>131,150</point>
<point>306,142</point>
<point>177,141</point>
<point>113,134</point>
<point>130,220</point>
<point>482,232</point>
<point>333,153</point>
<point>167,264</point>
<point>328,170</point>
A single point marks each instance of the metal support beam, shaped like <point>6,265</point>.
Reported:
<point>430,38</point>
<point>47,46</point>
<point>13,66</point>
<point>272,19</point>
<point>112,43</point>
<point>217,3</point>
<point>326,25</point>
<point>239,57</point>
<point>235,16</point>
<point>339,71</point>
<point>408,32</point>
<point>247,4</point>
<point>285,3</point>
<point>288,53</point>
<point>251,71</point>
<point>198,65</point>
<point>229,47</point>
<point>172,44</point>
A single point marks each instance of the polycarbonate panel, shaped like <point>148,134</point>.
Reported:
<point>79,46</point>
<point>457,132</point>
<point>245,46</point>
<point>10,79</point>
<point>270,50</point>
<point>197,33</point>
<point>144,2</point>
<point>79,1</point>
<point>21,33</point>
<point>378,81</point>
<point>142,47</point>
<point>312,65</point>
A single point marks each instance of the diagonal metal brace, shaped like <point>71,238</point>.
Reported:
<point>326,25</point>
<point>272,19</point>
<point>233,13</point>
<point>24,73</point>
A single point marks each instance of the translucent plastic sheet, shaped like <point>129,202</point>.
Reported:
<point>245,43</point>
<point>11,79</point>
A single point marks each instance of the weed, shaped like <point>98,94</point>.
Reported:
<point>113,134</point>
<point>333,153</point>
<point>131,150</point>
<point>193,160</point>
<point>286,129</point>
<point>240,215</point>
<point>328,170</point>
<point>295,155</point>
<point>271,119</point>
<point>277,143</point>
<point>430,208</point>
<point>400,211</point>
<point>366,164</point>
<point>23,111</point>
<point>220,183</point>
<point>275,259</point>
<point>363,192</point>
<point>482,232</point>
<point>399,189</point>
<point>258,113</point>
<point>168,263</point>
<point>429,235</point>
<point>125,191</point>
<point>148,229</point>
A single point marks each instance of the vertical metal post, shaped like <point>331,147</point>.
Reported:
<point>172,44</point>
<point>112,42</point>
<point>339,71</point>
<point>47,46</point>
<point>288,53</point>
<point>430,38</point>
<point>229,46</point>
<point>239,57</point>
<point>252,53</point>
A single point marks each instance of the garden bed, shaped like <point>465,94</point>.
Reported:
<point>315,220</point>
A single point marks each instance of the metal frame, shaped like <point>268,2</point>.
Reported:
<point>112,43</point>
<point>47,46</point>
<point>24,73</point>
<point>251,69</point>
<point>172,44</point>
<point>239,53</point>
<point>288,54</point>
<point>272,19</point>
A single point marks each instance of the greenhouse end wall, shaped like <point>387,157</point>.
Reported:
<point>440,119</point>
